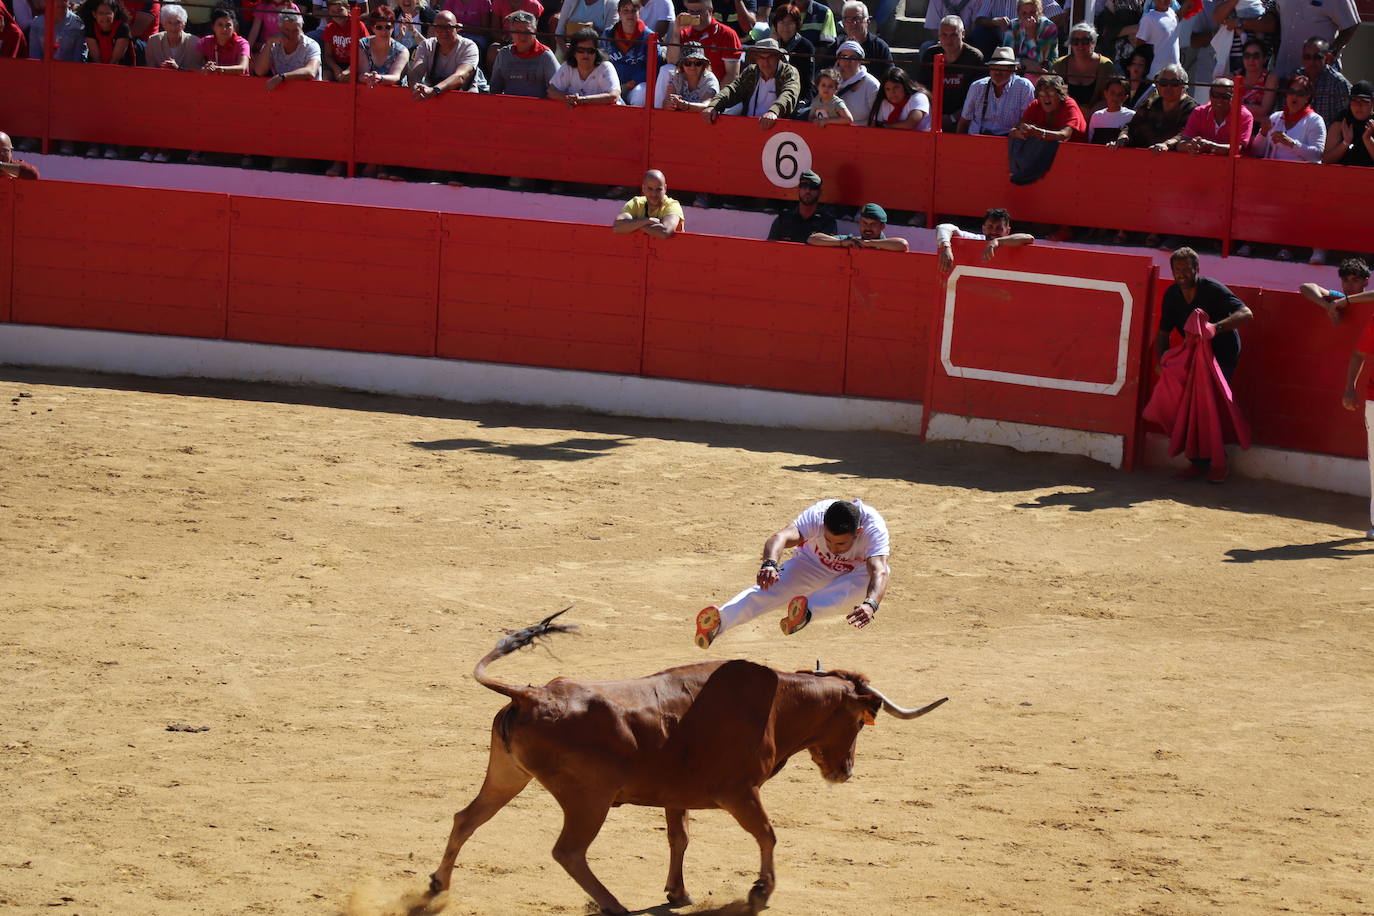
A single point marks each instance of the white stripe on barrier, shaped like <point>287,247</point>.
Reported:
<point>1038,381</point>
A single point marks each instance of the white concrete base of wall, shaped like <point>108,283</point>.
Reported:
<point>1306,469</point>
<point>1027,437</point>
<point>455,380</point>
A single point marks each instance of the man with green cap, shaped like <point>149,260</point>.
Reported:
<point>807,219</point>
<point>872,221</point>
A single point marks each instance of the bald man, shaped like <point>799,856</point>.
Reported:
<point>11,168</point>
<point>654,212</point>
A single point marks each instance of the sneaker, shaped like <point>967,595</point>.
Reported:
<point>334,171</point>
<point>1244,251</point>
<point>1318,256</point>
<point>702,202</point>
<point>1369,535</point>
<point>515,184</point>
<point>1284,255</point>
<point>1218,473</point>
<point>617,192</point>
<point>1168,243</point>
<point>248,162</point>
<point>93,153</point>
<point>146,156</point>
<point>798,616</point>
<point>111,153</point>
<point>1062,234</point>
<point>1191,472</point>
<point>67,149</point>
<point>193,158</point>
<point>708,626</point>
<point>162,157</point>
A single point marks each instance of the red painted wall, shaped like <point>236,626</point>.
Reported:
<point>6,246</point>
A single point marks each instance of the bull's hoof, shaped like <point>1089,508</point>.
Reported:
<point>683,899</point>
<point>616,910</point>
<point>758,897</point>
<point>435,886</point>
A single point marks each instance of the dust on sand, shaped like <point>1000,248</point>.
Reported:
<point>1161,692</point>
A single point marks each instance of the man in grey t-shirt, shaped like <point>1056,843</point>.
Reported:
<point>292,55</point>
<point>444,61</point>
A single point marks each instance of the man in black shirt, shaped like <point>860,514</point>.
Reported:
<point>797,225</point>
<point>963,65</point>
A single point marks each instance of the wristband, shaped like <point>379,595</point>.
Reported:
<point>871,603</point>
<point>769,564</point>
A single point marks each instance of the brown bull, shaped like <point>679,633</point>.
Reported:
<point>701,736</point>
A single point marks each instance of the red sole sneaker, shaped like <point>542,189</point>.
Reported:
<point>798,615</point>
<point>708,626</point>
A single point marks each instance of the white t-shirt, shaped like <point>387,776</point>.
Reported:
<point>870,542</point>
<point>655,11</point>
<point>918,102</point>
<point>1160,30</point>
<point>603,79</point>
<point>1113,121</point>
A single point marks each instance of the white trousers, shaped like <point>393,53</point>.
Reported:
<point>826,592</point>
<point>1369,439</point>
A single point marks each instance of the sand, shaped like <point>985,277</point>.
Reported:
<point>1161,692</point>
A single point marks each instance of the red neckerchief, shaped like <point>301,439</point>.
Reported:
<point>1302,114</point>
<point>625,44</point>
<point>895,115</point>
<point>538,49</point>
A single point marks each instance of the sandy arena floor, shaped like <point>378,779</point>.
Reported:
<point>1161,693</point>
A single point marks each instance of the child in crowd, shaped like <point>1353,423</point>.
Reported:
<point>829,108</point>
<point>1106,123</point>
<point>1159,29</point>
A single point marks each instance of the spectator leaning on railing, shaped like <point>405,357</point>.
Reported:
<point>336,41</point>
<point>768,88</point>
<point>784,27</point>
<point>1295,133</point>
<point>1354,277</point>
<point>653,213</point>
<point>905,103</point>
<point>446,60</point>
<point>1054,116</point>
<point>799,224</point>
<point>586,77</point>
<point>1163,115</point>
<point>996,102</point>
<point>173,48</point>
<point>963,66</point>
<point>288,55</point>
<point>1209,126</point>
<point>1350,137</point>
<point>70,34</point>
<point>108,39</point>
<point>1105,124</point>
<point>996,232</point>
<point>381,60</point>
<point>872,222</point>
<point>524,67</point>
<point>690,86</point>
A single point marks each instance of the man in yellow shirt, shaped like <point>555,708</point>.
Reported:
<point>654,212</point>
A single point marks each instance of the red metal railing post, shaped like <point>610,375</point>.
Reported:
<point>937,111</point>
<point>354,23</point>
<point>1231,170</point>
<point>650,93</point>
<point>49,58</point>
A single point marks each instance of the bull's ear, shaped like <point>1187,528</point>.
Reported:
<point>871,705</point>
<point>869,718</point>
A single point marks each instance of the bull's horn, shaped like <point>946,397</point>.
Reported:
<point>901,713</point>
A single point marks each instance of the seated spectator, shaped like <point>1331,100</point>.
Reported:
<point>719,41</point>
<point>13,44</point>
<point>1330,88</point>
<point>1208,129</point>
<point>963,65</point>
<point>1085,71</point>
<point>500,12</point>
<point>267,21</point>
<point>1159,29</point>
<point>996,231</point>
<point>526,66</point>
<point>828,107</point>
<point>224,51</point>
<point>288,55</point>
<point>653,213</point>
<point>446,60</point>
<point>70,35</point>
<point>1139,85</point>
<point>858,87</point>
<point>767,89</point>
<point>627,48</point>
<point>854,23</point>
<point>1350,138</point>
<point>413,20</point>
<point>173,48</point>
<point>1105,124</point>
<point>690,86</point>
<point>1163,116</point>
<point>1033,38</point>
<point>108,39</point>
<point>872,222</point>
<point>1354,274</point>
<point>1295,133</point>
<point>586,77</point>
<point>905,104</point>
<point>785,21</point>
<point>807,219</point>
<point>996,102</point>
<point>1259,87</point>
<point>382,61</point>
<point>10,167</point>
<point>473,16</point>
<point>1054,116</point>
<point>336,42</point>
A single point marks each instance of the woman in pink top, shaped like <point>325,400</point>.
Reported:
<point>224,50</point>
<point>266,21</point>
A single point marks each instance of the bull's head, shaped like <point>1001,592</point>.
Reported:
<point>833,750</point>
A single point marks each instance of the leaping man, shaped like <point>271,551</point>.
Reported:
<point>840,565</point>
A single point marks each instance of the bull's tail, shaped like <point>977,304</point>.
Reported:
<point>513,641</point>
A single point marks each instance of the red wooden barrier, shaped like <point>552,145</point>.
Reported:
<point>324,275</point>
<point>1327,206</point>
<point>142,106</point>
<point>24,99</point>
<point>892,308</point>
<point>1043,336</point>
<point>120,259</point>
<point>541,294</point>
<point>741,312</point>
<point>1088,186</point>
<point>498,135</point>
<point>6,246</point>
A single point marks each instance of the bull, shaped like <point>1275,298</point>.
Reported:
<point>707,735</point>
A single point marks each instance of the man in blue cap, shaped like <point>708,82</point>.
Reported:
<point>872,221</point>
<point>807,219</point>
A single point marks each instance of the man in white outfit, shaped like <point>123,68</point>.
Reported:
<point>840,565</point>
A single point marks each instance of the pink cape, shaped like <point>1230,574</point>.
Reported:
<point>1192,402</point>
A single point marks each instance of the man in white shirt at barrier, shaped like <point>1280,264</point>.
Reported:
<point>996,102</point>
<point>840,565</point>
<point>996,231</point>
<point>446,60</point>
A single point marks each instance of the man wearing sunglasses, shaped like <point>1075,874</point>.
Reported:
<point>526,65</point>
<point>446,60</point>
<point>807,219</point>
<point>768,89</point>
<point>1208,130</point>
<point>1330,88</point>
<point>1334,21</point>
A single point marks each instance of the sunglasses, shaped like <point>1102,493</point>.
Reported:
<point>854,19</point>
<point>1083,40</point>
<point>1253,55</point>
<point>694,63</point>
<point>1221,96</point>
<point>1169,82</point>
<point>847,57</point>
<point>584,50</point>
